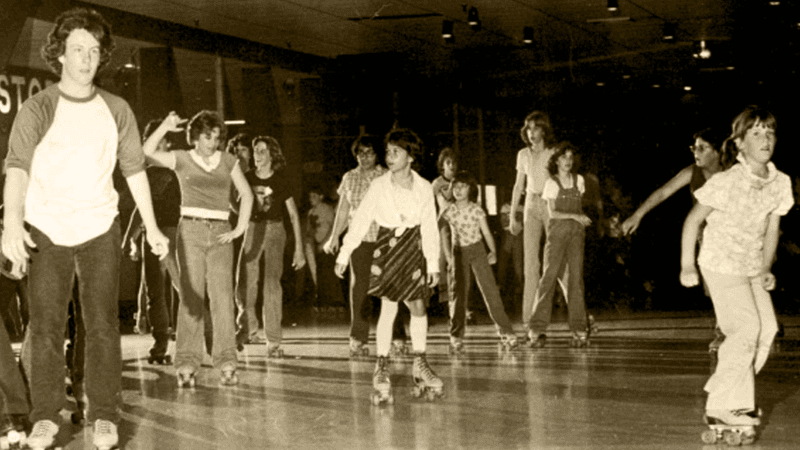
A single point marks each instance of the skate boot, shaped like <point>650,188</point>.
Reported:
<point>274,350</point>
<point>186,377</point>
<point>43,435</point>
<point>456,345</point>
<point>733,427</point>
<point>399,348</point>
<point>426,382</point>
<point>158,354</point>
<point>580,339</point>
<point>229,377</point>
<point>105,435</point>
<point>358,348</point>
<point>536,340</point>
<point>13,434</point>
<point>508,342</point>
<point>382,383</point>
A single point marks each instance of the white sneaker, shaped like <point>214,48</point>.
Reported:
<point>42,435</point>
<point>105,434</point>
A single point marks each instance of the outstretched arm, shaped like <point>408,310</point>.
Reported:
<point>659,195</point>
<point>171,123</point>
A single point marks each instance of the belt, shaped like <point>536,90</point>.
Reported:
<point>202,219</point>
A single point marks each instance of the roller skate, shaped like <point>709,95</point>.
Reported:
<point>456,346</point>
<point>732,427</point>
<point>158,354</point>
<point>13,433</point>
<point>186,377</point>
<point>274,351</point>
<point>229,377</point>
<point>382,383</point>
<point>358,348</point>
<point>399,348</point>
<point>508,342</point>
<point>105,435</point>
<point>43,435</point>
<point>536,340</point>
<point>580,339</point>
<point>426,382</point>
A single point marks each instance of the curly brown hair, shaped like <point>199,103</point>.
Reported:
<point>76,19</point>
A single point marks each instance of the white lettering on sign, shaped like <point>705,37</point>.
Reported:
<point>15,89</point>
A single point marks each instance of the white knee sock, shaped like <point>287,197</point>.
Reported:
<point>383,332</point>
<point>418,326</point>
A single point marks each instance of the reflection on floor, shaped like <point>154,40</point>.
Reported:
<point>639,385</point>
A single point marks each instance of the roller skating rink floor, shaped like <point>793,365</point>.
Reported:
<point>638,385</point>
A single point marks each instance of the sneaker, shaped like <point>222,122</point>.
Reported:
<point>105,434</point>
<point>43,434</point>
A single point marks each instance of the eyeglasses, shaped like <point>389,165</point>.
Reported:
<point>697,148</point>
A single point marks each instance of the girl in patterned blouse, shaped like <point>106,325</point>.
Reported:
<point>741,207</point>
<point>466,255</point>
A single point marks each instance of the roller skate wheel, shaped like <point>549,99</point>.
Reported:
<point>375,398</point>
<point>430,395</point>
<point>709,437</point>
<point>416,392</point>
<point>732,438</point>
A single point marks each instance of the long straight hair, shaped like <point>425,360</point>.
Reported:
<point>743,122</point>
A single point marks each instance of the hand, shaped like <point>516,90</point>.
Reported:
<point>332,246</point>
<point>433,279</point>
<point>339,270</point>
<point>159,244</point>
<point>514,227</point>
<point>492,257</point>
<point>689,276</point>
<point>14,240</point>
<point>134,253</point>
<point>768,281</point>
<point>225,238</point>
<point>173,122</point>
<point>584,220</point>
<point>630,225</point>
<point>299,260</point>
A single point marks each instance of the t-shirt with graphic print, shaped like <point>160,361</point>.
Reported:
<point>270,196</point>
<point>466,221</point>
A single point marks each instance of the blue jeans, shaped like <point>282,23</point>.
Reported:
<point>563,250</point>
<point>267,239</point>
<point>205,266</point>
<point>52,271</point>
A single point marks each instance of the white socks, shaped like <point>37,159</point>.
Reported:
<point>419,333</point>
<point>383,331</point>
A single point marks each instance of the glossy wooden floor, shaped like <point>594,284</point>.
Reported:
<point>639,385</point>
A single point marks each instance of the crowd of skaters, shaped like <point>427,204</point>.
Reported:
<point>405,237</point>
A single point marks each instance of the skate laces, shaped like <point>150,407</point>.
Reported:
<point>103,427</point>
<point>43,429</point>
<point>424,368</point>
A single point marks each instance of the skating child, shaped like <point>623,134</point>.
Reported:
<point>742,207</point>
<point>467,255</point>
<point>204,247</point>
<point>405,265</point>
<point>564,246</point>
<point>447,164</point>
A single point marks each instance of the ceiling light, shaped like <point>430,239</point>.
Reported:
<point>600,84</point>
<point>774,3</point>
<point>687,88</point>
<point>669,32</point>
<point>473,20</point>
<point>613,5</point>
<point>527,35</point>
<point>447,31</point>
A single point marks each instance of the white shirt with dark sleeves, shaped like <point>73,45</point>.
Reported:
<point>392,206</point>
<point>69,148</point>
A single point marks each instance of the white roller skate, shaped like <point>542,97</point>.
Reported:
<point>508,342</point>
<point>186,377</point>
<point>228,377</point>
<point>732,427</point>
<point>426,382</point>
<point>43,435</point>
<point>399,348</point>
<point>382,383</point>
<point>358,348</point>
<point>580,339</point>
<point>456,346</point>
<point>105,435</point>
<point>274,351</point>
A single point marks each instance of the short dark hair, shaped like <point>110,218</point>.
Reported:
<point>366,141</point>
<point>203,122</point>
<point>240,139</point>
<point>713,135</point>
<point>463,176</point>
<point>543,120</point>
<point>76,19</point>
<point>444,155</point>
<point>408,141</point>
<point>274,149</point>
<point>561,149</point>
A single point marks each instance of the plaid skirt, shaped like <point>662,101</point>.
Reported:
<point>399,270</point>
